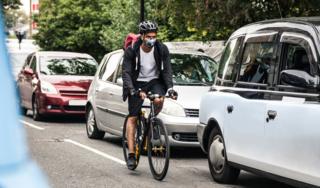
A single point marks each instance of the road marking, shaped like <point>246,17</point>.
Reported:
<point>96,151</point>
<point>31,125</point>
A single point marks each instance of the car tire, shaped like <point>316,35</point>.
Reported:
<point>220,170</point>
<point>91,126</point>
<point>35,110</point>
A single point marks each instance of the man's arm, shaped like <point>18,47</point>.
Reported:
<point>167,69</point>
<point>127,69</point>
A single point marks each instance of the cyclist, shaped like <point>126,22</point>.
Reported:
<point>146,67</point>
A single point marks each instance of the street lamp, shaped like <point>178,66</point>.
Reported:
<point>141,10</point>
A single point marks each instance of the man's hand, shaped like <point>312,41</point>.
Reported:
<point>173,94</point>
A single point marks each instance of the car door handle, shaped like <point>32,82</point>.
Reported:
<point>229,109</point>
<point>271,115</point>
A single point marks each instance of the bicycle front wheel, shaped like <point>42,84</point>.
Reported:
<point>158,149</point>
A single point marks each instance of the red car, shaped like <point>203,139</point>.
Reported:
<point>55,83</point>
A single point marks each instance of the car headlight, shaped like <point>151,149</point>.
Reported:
<point>48,88</point>
<point>172,108</point>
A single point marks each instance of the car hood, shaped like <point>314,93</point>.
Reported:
<point>80,83</point>
<point>189,96</point>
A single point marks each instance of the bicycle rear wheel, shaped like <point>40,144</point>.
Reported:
<point>138,141</point>
<point>158,149</point>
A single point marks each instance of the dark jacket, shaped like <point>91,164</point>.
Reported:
<point>131,66</point>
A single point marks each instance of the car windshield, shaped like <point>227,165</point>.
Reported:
<point>76,66</point>
<point>189,69</point>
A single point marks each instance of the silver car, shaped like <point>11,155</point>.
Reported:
<point>193,74</point>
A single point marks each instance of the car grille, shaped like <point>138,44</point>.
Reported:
<point>192,112</point>
<point>74,108</point>
<point>185,137</point>
<point>73,93</point>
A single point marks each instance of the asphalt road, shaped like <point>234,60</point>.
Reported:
<point>70,159</point>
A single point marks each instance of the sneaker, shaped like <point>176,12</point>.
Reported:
<point>131,163</point>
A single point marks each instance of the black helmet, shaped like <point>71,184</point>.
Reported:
<point>147,26</point>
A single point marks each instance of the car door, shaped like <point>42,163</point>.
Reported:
<point>103,91</point>
<point>22,81</point>
<point>27,86</point>
<point>119,109</point>
<point>244,119</point>
<point>292,125</point>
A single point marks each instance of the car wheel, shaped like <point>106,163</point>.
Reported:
<point>35,110</point>
<point>91,126</point>
<point>220,170</point>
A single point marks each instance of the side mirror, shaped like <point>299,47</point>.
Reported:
<point>299,78</point>
<point>28,71</point>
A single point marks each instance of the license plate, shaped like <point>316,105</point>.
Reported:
<point>77,102</point>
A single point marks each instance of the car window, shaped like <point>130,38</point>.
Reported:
<point>228,59</point>
<point>28,61</point>
<point>59,65</point>
<point>191,69</point>
<point>33,64</point>
<point>296,58</point>
<point>256,62</point>
<point>119,74</point>
<point>109,68</point>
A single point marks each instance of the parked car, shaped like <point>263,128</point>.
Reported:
<point>262,114</point>
<point>55,83</point>
<point>193,74</point>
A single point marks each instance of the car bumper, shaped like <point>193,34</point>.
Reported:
<point>182,131</point>
<point>57,104</point>
<point>200,131</point>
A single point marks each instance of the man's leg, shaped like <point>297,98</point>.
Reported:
<point>131,131</point>
<point>134,105</point>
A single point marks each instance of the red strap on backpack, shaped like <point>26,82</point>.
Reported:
<point>130,40</point>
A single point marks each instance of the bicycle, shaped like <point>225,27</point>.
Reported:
<point>151,138</point>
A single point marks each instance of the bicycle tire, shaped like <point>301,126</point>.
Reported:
<point>138,141</point>
<point>158,148</point>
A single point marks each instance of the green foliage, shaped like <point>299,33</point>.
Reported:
<point>99,26</point>
<point>124,18</point>
<point>70,25</point>
<point>14,17</point>
<point>10,4</point>
<point>217,19</point>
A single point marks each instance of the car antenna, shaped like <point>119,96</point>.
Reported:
<point>279,8</point>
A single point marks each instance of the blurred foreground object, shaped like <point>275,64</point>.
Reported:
<point>16,168</point>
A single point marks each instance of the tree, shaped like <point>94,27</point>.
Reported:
<point>11,4</point>
<point>100,26</point>
<point>72,25</point>
<point>217,19</point>
<point>14,17</point>
<point>124,18</point>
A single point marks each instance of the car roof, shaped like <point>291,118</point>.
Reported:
<point>63,54</point>
<point>293,24</point>
<point>175,51</point>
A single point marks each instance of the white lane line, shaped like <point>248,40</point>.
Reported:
<point>31,125</point>
<point>96,151</point>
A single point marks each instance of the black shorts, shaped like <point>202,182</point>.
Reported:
<point>135,102</point>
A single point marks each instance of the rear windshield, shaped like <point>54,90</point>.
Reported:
<point>76,66</point>
<point>189,69</point>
